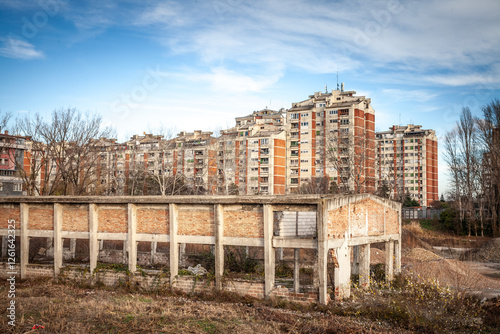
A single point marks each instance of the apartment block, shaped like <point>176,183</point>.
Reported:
<point>332,135</point>
<point>252,155</point>
<point>407,162</point>
<point>12,158</point>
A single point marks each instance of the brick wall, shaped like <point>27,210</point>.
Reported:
<point>75,218</point>
<point>197,220</point>
<point>9,212</point>
<point>41,217</point>
<point>153,220</point>
<point>244,221</point>
<point>113,219</point>
<point>357,213</point>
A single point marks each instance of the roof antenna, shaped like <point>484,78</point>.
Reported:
<point>326,88</point>
<point>337,80</point>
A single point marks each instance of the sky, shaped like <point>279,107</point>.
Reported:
<point>198,64</point>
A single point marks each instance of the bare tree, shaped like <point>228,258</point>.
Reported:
<point>352,155</point>
<point>64,152</point>
<point>4,120</point>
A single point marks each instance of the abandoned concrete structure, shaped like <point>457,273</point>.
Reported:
<point>339,228</point>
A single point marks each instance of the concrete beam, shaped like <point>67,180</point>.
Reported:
<point>322,225</point>
<point>25,246</point>
<point>389,260</point>
<point>131,241</point>
<point>235,241</point>
<point>58,240</point>
<point>219,246</point>
<point>364,266</point>
<point>269,261</point>
<point>94,244</point>
<point>195,239</point>
<point>285,242</point>
<point>173,212</point>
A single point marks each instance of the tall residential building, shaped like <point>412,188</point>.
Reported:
<point>407,163</point>
<point>332,135</point>
<point>252,155</point>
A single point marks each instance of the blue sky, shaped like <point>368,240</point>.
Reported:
<point>199,64</point>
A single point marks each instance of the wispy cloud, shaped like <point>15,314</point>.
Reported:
<point>18,49</point>
<point>417,95</point>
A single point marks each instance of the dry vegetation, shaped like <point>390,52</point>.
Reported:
<point>418,301</point>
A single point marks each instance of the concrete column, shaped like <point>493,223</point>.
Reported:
<point>182,254</point>
<point>72,247</point>
<point>124,252</point>
<point>389,260</point>
<point>269,261</point>
<point>93,242</point>
<point>322,224</point>
<point>397,256</point>
<point>219,245</point>
<point>132,237</point>
<point>280,253</point>
<point>4,246</point>
<point>342,273</point>
<point>58,240</point>
<point>101,244</point>
<point>296,270</point>
<point>25,246</point>
<point>48,243</point>
<point>154,244</point>
<point>174,247</point>
<point>364,266</point>
<point>355,260</point>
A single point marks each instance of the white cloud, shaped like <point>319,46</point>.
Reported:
<point>417,95</point>
<point>18,49</point>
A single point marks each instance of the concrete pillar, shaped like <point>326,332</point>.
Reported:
<point>280,253</point>
<point>364,266</point>
<point>4,246</point>
<point>397,256</point>
<point>269,260</point>
<point>48,243</point>
<point>101,244</point>
<point>58,240</point>
<point>322,224</point>
<point>72,248</point>
<point>94,245</point>
<point>132,237</point>
<point>154,244</point>
<point>174,247</point>
<point>389,260</point>
<point>296,270</point>
<point>182,254</point>
<point>355,260</point>
<point>124,252</point>
<point>25,247</point>
<point>342,273</point>
<point>219,245</point>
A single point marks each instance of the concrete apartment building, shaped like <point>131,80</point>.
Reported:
<point>12,158</point>
<point>332,135</point>
<point>407,162</point>
<point>252,155</point>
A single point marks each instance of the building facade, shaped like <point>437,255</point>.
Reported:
<point>12,159</point>
<point>407,163</point>
<point>332,135</point>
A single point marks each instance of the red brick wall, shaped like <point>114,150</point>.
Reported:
<point>9,212</point>
<point>244,221</point>
<point>75,218</point>
<point>113,219</point>
<point>153,220</point>
<point>41,217</point>
<point>197,220</point>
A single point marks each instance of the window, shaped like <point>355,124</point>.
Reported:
<point>304,170</point>
<point>344,121</point>
<point>333,112</point>
<point>304,115</point>
<point>264,141</point>
<point>294,116</point>
<point>304,124</point>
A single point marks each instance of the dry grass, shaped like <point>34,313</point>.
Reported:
<point>70,309</point>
